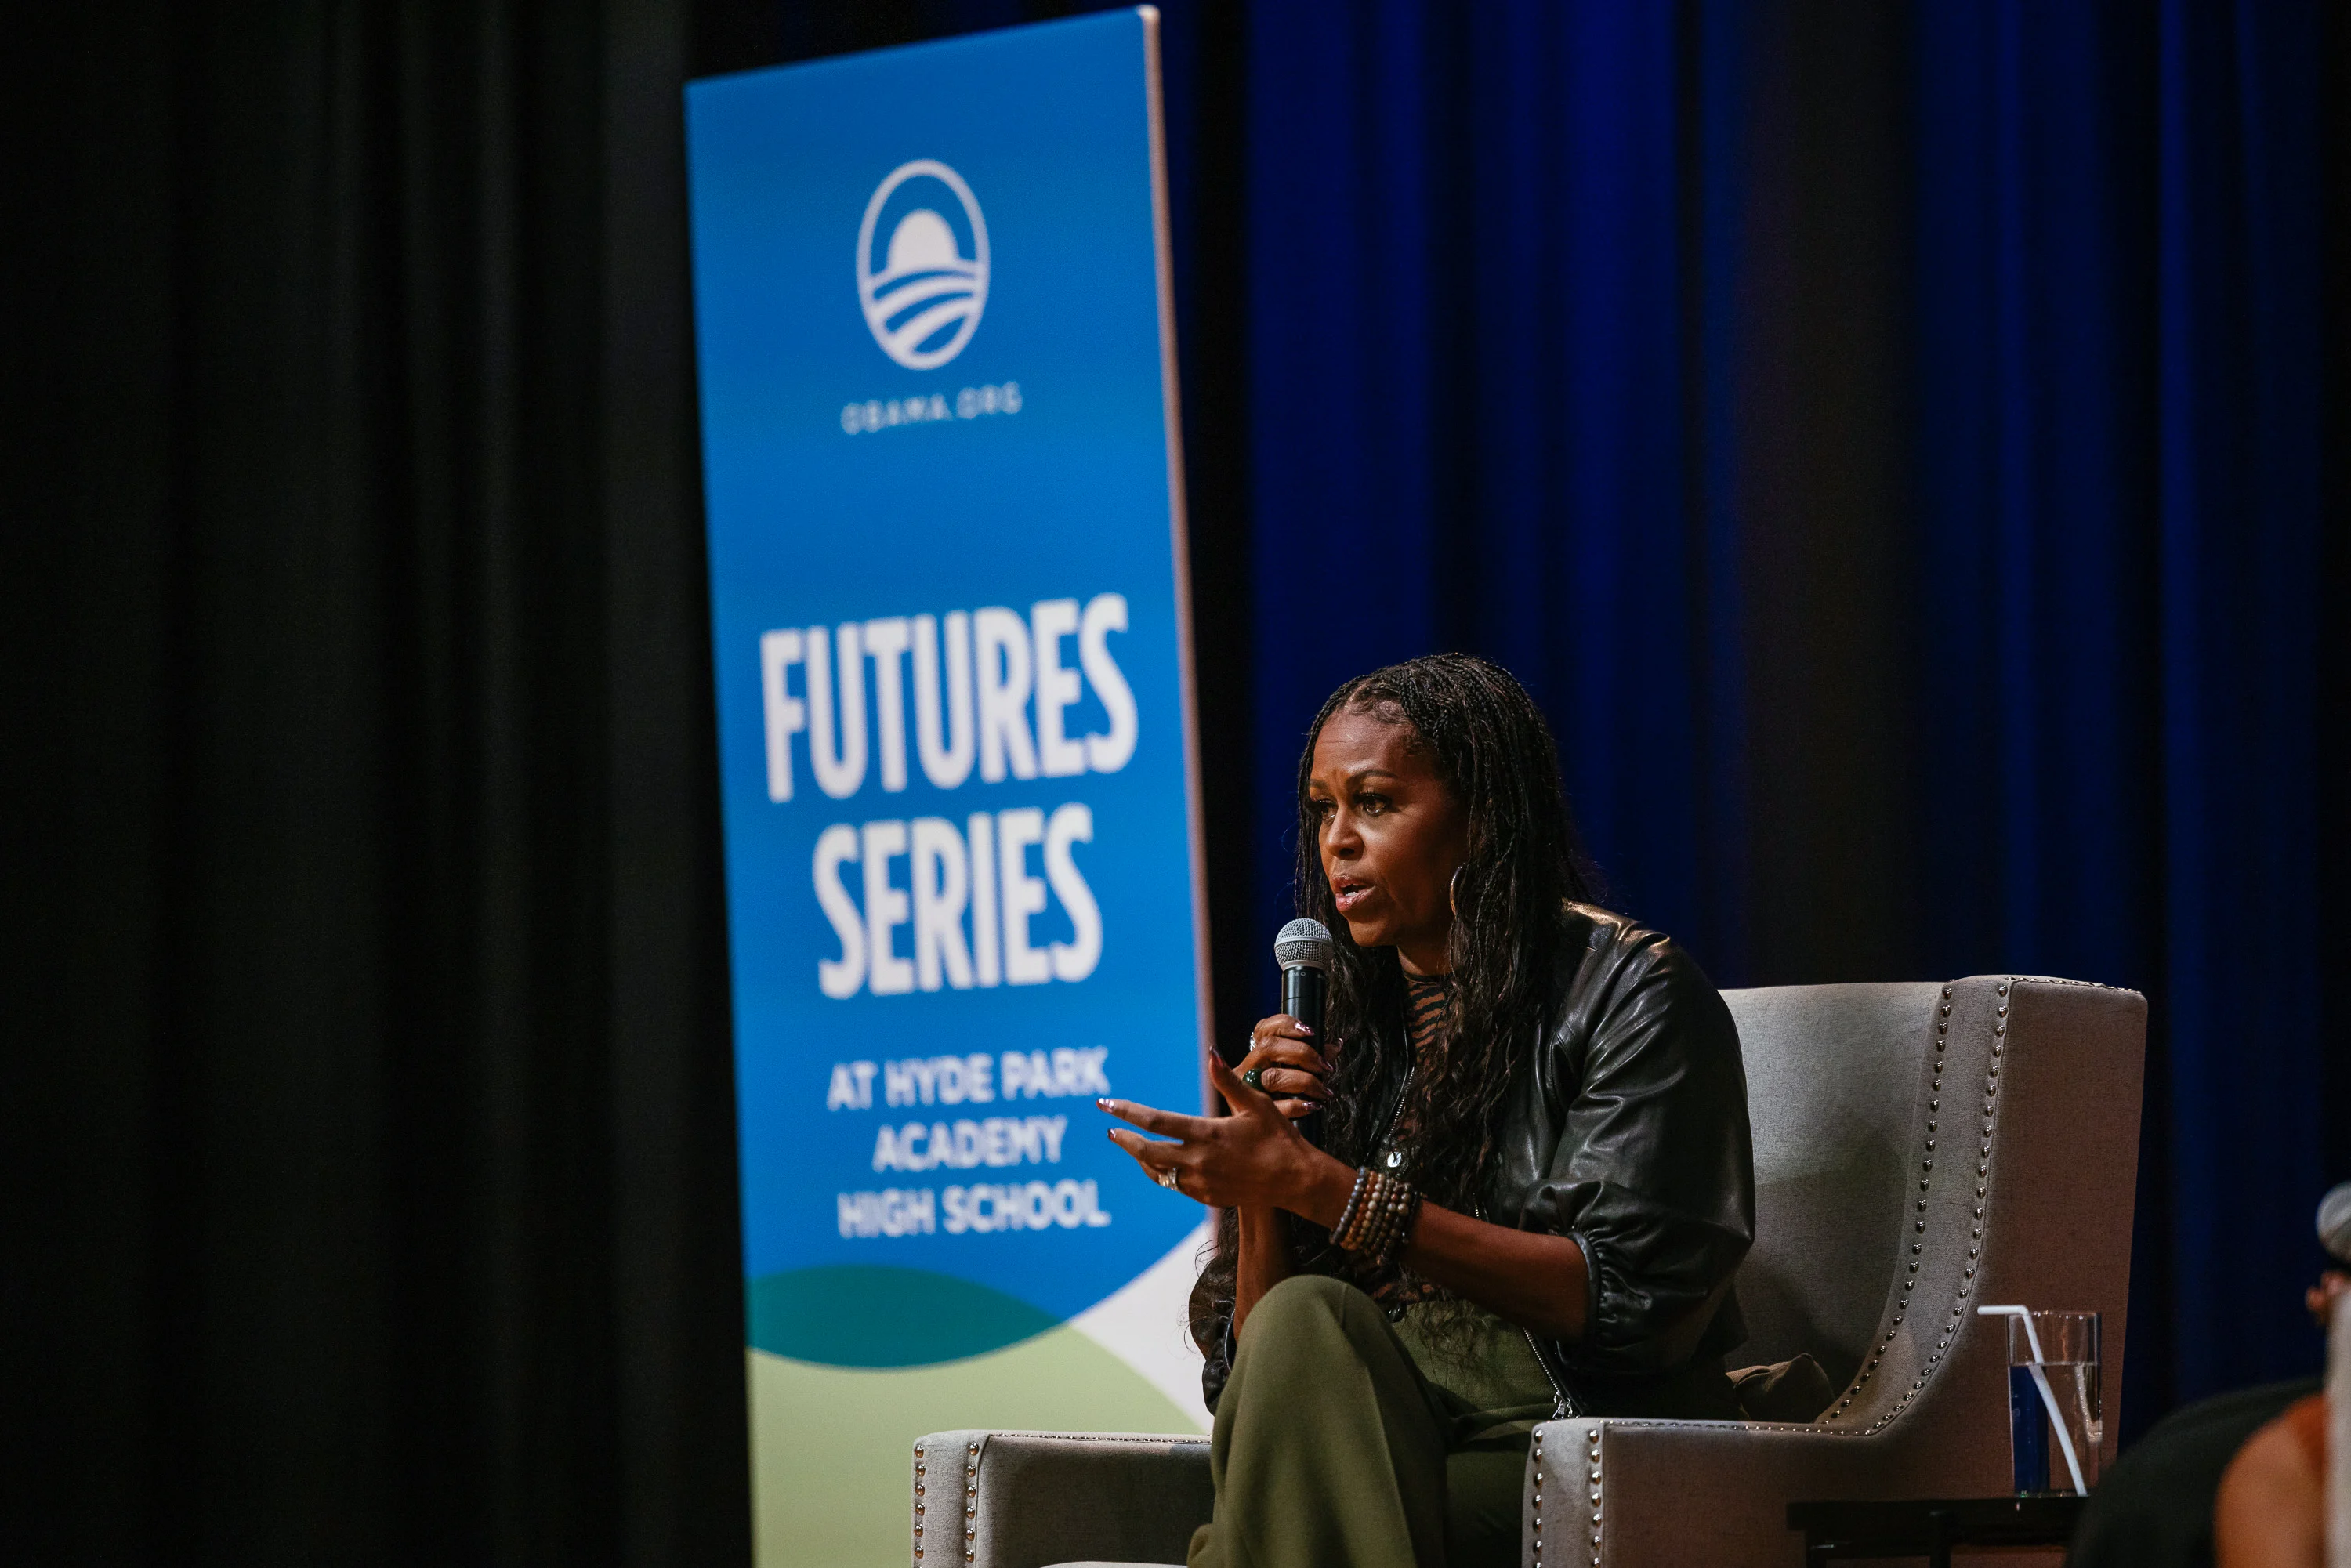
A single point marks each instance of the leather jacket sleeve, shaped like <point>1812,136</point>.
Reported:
<point>1631,1137</point>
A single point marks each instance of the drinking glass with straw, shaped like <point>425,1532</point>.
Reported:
<point>2052,1390</point>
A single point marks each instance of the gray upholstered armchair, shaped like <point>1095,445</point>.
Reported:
<point>1918,1149</point>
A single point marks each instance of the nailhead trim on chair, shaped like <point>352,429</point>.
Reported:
<point>971,1506</point>
<point>970,1502</point>
<point>1594,1437</point>
<point>1926,1176</point>
<point>1534,1528</point>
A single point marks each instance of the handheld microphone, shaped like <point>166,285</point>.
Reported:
<point>2334,1223</point>
<point>1303,950</point>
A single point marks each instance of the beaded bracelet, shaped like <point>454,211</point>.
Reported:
<point>1350,1218</point>
<point>1387,1207</point>
<point>1408,1212</point>
<point>1378,1216</point>
<point>1354,1201</point>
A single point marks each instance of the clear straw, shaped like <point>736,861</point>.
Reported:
<point>2041,1381</point>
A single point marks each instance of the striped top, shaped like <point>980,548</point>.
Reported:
<point>1426,1001</point>
<point>1425,998</point>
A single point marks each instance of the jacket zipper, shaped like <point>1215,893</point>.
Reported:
<point>1562,1406</point>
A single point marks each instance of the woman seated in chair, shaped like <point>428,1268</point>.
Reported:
<point>1534,1180</point>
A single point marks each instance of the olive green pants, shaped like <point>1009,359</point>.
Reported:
<point>1341,1438</point>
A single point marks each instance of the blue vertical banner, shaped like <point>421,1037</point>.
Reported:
<point>939,436</point>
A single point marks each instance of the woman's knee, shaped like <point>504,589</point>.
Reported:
<point>1304,1305</point>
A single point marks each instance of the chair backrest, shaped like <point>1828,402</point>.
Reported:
<point>1833,1081</point>
<point>1921,1150</point>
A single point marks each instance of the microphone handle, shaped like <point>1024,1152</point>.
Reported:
<point>1305,991</point>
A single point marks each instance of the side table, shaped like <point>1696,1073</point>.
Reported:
<point>1930,1526</point>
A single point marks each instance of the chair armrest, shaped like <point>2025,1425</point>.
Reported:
<point>1630,1493</point>
<point>1029,1499</point>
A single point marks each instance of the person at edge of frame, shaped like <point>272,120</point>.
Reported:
<point>2237,1479</point>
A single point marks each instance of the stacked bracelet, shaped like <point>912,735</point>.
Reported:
<point>1378,1217</point>
<point>1354,1201</point>
<point>1407,1210</point>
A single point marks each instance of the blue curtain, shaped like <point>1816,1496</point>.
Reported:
<point>1468,380</point>
<point>2120,316</point>
<point>1888,444</point>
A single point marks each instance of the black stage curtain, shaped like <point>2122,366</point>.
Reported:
<point>369,1093</point>
<point>368,1125</point>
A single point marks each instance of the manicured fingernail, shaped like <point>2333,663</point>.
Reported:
<point>1102,1105</point>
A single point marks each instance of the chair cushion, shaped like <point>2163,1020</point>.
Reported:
<point>1795,1390</point>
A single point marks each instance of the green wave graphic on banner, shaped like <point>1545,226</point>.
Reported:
<point>861,1315</point>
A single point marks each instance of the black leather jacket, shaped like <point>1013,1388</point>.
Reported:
<point>1630,1135</point>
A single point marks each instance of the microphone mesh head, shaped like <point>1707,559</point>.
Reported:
<point>1306,942</point>
<point>2334,1222</point>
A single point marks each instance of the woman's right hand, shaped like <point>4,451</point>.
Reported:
<point>1289,1064</point>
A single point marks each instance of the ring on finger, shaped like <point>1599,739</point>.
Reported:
<point>1169,1178</point>
<point>1255,1079</point>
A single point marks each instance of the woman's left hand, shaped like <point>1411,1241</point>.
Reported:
<point>1253,1158</point>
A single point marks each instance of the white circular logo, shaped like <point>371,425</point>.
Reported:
<point>923,293</point>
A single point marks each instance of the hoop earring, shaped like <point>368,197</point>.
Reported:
<point>1453,889</point>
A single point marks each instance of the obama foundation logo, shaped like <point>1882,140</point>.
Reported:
<point>922,264</point>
